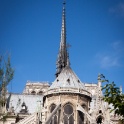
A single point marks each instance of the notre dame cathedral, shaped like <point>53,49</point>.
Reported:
<point>67,100</point>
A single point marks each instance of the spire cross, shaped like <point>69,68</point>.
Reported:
<point>64,2</point>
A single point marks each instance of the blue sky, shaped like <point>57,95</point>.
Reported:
<point>30,32</point>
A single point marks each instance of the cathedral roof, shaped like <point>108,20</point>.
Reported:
<point>67,79</point>
<point>31,101</point>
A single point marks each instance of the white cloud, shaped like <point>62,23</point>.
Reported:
<point>109,61</point>
<point>118,46</point>
<point>112,57</point>
<point>118,9</point>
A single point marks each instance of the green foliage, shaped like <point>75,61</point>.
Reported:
<point>113,95</point>
<point>6,72</point>
<point>6,75</point>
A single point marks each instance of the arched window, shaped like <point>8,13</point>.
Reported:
<point>84,106</point>
<point>100,111</point>
<point>99,120</point>
<point>68,114</point>
<point>40,92</point>
<point>55,117</point>
<point>33,92</point>
<point>52,107</point>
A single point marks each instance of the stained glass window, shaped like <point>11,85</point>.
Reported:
<point>68,109</point>
<point>55,117</point>
<point>52,107</point>
<point>65,119</point>
<point>71,119</point>
<point>99,120</point>
<point>68,114</point>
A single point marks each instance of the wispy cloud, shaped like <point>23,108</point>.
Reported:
<point>118,46</point>
<point>107,61</point>
<point>112,57</point>
<point>118,9</point>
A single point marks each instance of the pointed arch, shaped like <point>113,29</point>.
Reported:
<point>40,92</point>
<point>99,119</point>
<point>68,102</point>
<point>52,107</point>
<point>54,119</point>
<point>84,106</point>
<point>33,92</point>
<point>68,113</point>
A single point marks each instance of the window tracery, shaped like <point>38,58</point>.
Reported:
<point>68,114</point>
<point>55,116</point>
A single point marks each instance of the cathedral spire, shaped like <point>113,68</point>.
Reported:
<point>62,60</point>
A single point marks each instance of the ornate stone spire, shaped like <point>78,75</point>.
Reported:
<point>62,60</point>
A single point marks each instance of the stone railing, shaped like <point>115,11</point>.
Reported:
<point>68,90</point>
<point>31,119</point>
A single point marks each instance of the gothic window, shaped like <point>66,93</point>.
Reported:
<point>100,111</point>
<point>33,92</point>
<point>84,106</point>
<point>40,93</point>
<point>55,117</point>
<point>99,120</point>
<point>68,114</point>
<point>52,107</point>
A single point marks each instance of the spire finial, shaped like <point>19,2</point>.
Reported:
<point>62,60</point>
<point>64,2</point>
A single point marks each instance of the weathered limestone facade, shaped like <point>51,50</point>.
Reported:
<point>36,88</point>
<point>66,97</point>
